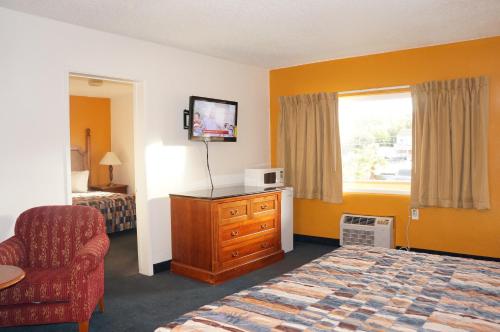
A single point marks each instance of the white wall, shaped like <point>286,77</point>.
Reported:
<point>122,137</point>
<point>36,57</point>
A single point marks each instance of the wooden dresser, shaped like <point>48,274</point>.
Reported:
<point>222,234</point>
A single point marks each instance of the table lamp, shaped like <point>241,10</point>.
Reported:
<point>110,159</point>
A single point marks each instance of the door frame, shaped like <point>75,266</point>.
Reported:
<point>144,247</point>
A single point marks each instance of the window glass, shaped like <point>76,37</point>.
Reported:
<point>375,134</point>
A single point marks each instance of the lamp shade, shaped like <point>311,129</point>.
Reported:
<point>111,159</point>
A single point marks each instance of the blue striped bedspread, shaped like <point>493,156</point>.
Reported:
<point>357,288</point>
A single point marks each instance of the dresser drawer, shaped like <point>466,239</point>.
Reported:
<point>248,250</point>
<point>229,233</point>
<point>234,211</point>
<point>264,205</point>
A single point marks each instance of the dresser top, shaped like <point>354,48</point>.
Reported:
<point>226,192</point>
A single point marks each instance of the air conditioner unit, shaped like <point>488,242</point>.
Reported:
<point>367,230</point>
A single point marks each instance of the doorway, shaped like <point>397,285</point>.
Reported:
<point>104,153</point>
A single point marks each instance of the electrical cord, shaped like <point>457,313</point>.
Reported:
<point>408,231</point>
<point>208,164</point>
<point>407,248</point>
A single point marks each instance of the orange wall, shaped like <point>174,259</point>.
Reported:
<point>93,113</point>
<point>455,230</point>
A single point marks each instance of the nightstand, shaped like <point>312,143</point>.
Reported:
<point>114,188</point>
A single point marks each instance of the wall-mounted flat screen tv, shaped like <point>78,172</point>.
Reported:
<point>212,119</point>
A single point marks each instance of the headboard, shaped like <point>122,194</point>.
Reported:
<point>80,158</point>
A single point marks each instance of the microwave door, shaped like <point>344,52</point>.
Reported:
<point>270,178</point>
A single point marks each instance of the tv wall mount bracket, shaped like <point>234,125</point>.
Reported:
<point>186,119</point>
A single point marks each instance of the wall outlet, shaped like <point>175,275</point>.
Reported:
<point>415,215</point>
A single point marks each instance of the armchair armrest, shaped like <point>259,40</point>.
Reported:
<point>91,254</point>
<point>87,277</point>
<point>12,252</point>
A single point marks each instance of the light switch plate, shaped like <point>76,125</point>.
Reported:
<point>415,215</point>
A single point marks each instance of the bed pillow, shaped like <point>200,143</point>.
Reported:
<point>79,181</point>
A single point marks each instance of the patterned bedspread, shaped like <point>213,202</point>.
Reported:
<point>359,288</point>
<point>118,209</point>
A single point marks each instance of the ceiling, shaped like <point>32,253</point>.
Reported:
<point>279,33</point>
<point>79,86</point>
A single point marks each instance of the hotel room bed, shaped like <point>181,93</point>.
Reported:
<point>357,288</point>
<point>118,209</point>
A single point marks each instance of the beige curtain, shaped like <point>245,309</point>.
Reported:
<point>450,144</point>
<point>309,146</point>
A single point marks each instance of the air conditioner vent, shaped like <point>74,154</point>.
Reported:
<point>353,220</point>
<point>353,236</point>
<point>366,230</point>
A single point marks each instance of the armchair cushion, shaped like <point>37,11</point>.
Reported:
<point>39,286</point>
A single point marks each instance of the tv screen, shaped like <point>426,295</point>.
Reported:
<point>212,119</point>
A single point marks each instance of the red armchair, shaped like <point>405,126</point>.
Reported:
<point>61,249</point>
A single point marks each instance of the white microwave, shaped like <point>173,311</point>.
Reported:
<point>264,177</point>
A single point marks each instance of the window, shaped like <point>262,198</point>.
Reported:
<point>375,134</point>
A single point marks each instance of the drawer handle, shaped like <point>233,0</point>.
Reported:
<point>235,233</point>
<point>263,226</point>
<point>264,245</point>
<point>235,254</point>
<point>233,212</point>
<point>263,207</point>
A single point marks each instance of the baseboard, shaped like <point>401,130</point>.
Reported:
<point>336,243</point>
<point>453,254</point>
<point>161,266</point>
<point>316,239</point>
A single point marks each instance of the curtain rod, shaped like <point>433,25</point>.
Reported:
<point>374,89</point>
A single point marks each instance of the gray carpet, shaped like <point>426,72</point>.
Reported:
<point>134,302</point>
